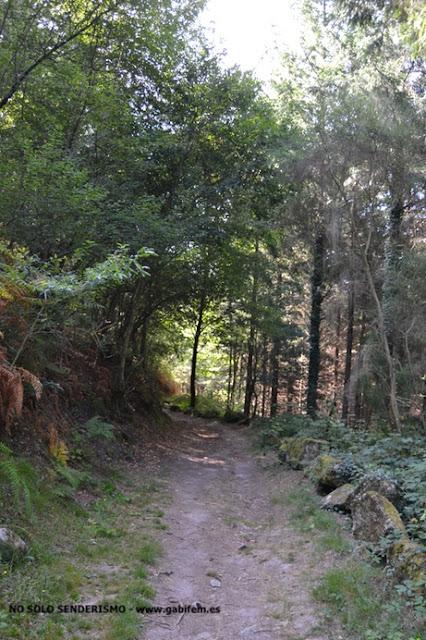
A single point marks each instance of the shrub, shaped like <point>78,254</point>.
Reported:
<point>209,407</point>
<point>18,480</point>
<point>180,403</point>
<point>400,457</point>
<point>233,416</point>
<point>205,406</point>
<point>285,426</point>
<point>98,428</point>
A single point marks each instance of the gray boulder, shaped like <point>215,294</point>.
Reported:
<point>387,487</point>
<point>374,517</point>
<point>11,545</point>
<point>339,499</point>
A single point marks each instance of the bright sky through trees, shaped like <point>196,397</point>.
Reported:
<point>253,31</point>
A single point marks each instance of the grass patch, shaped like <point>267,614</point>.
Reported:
<point>71,548</point>
<point>359,595</point>
<point>140,572</point>
<point>213,574</point>
<point>158,513</point>
<point>149,552</point>
<point>334,541</point>
<point>125,626</point>
<point>306,513</point>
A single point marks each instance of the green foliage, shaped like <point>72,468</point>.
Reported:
<point>18,481</point>
<point>70,480</point>
<point>399,457</point>
<point>149,552</point>
<point>205,407</point>
<point>272,430</point>
<point>233,416</point>
<point>359,596</point>
<point>97,428</point>
<point>180,403</point>
<point>209,407</point>
<point>307,515</point>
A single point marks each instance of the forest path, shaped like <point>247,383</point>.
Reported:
<point>230,544</point>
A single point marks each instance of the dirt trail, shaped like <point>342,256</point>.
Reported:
<point>224,530</point>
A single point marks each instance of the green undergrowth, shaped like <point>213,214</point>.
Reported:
<point>378,451</point>
<point>353,589</point>
<point>368,606</point>
<point>206,406</point>
<point>307,517</point>
<point>91,540</point>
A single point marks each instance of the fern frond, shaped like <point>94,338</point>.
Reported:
<point>31,379</point>
<point>12,391</point>
<point>98,428</point>
<point>18,480</point>
<point>10,474</point>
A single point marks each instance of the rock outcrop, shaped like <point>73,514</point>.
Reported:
<point>374,517</point>
<point>298,452</point>
<point>387,487</point>
<point>339,499</point>
<point>409,562</point>
<point>329,472</point>
<point>11,545</point>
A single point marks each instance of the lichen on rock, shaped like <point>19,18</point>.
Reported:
<point>340,498</point>
<point>326,472</point>
<point>408,560</point>
<point>387,487</point>
<point>298,452</point>
<point>374,517</point>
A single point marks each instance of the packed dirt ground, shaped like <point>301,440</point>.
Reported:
<point>230,544</point>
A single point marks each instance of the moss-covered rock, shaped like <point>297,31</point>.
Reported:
<point>409,562</point>
<point>387,487</point>
<point>340,498</point>
<point>298,452</point>
<point>326,472</point>
<point>374,517</point>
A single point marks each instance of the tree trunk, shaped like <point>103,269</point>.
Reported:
<point>350,324</point>
<point>197,335</point>
<point>250,382</point>
<point>276,345</point>
<point>290,395</point>
<point>264,374</point>
<point>255,374</point>
<point>348,356</point>
<point>358,405</point>
<point>336,366</point>
<point>143,341</point>
<point>125,340</point>
<point>393,253</point>
<point>315,324</point>
<point>276,350</point>
<point>249,375</point>
<point>229,386</point>
<point>235,357</point>
<point>393,402</point>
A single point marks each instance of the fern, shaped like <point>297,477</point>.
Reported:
<point>18,480</point>
<point>59,451</point>
<point>97,428</point>
<point>73,479</point>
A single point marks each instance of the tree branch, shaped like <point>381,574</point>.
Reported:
<point>46,55</point>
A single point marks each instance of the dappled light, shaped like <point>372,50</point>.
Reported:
<point>212,319</point>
